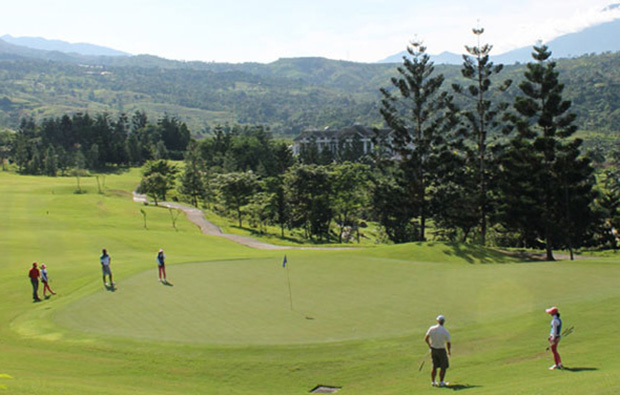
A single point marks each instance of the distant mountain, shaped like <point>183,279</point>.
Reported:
<point>62,46</point>
<point>595,39</point>
<point>10,51</point>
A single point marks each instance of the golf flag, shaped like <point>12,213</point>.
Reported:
<point>284,261</point>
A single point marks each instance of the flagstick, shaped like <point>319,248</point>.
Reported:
<point>290,294</point>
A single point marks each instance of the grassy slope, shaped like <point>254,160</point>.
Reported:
<point>370,309</point>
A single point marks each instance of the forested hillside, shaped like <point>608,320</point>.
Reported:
<point>288,95</point>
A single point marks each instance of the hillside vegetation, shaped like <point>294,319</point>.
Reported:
<point>288,95</point>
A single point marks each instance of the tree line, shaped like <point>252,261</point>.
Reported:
<point>84,142</point>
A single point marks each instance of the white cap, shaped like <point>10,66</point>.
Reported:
<point>441,318</point>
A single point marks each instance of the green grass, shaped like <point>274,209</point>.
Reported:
<point>295,237</point>
<point>226,326</point>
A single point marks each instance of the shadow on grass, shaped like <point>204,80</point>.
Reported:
<point>459,387</point>
<point>476,254</point>
<point>258,235</point>
<point>113,170</point>
<point>111,288</point>
<point>167,284</point>
<point>581,369</point>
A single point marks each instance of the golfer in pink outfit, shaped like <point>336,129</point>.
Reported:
<point>554,336</point>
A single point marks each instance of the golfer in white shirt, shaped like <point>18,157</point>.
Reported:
<point>438,339</point>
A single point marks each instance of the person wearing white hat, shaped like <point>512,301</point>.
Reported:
<point>554,336</point>
<point>45,281</point>
<point>438,339</point>
<point>105,260</point>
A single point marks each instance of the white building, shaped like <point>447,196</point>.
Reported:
<point>335,139</point>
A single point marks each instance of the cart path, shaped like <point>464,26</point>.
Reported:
<point>197,217</point>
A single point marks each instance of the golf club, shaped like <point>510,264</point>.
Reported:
<point>424,360</point>
<point>564,334</point>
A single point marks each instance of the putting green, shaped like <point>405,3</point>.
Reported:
<point>342,297</point>
<point>248,302</point>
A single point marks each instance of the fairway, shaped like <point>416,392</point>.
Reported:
<point>226,325</point>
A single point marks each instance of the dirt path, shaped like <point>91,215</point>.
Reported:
<point>197,217</point>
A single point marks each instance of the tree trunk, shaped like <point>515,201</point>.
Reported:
<point>548,248</point>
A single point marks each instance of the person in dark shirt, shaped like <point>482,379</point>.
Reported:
<point>161,265</point>
<point>34,274</point>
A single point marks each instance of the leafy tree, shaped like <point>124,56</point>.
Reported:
<point>351,151</point>
<point>161,152</point>
<point>482,118</point>
<point>64,160</point>
<point>175,135</point>
<point>236,189</point>
<point>92,157</point>
<point>279,208</point>
<point>193,177</point>
<point>282,158</point>
<point>309,188</point>
<point>139,120</point>
<point>309,153</point>
<point>79,168</point>
<point>51,162</point>
<point>609,203</point>
<point>160,185</point>
<point>193,184</point>
<point>258,210</point>
<point>391,204</point>
<point>154,185</point>
<point>7,141</point>
<point>133,149</point>
<point>350,196</point>
<point>21,155</point>
<point>453,204</point>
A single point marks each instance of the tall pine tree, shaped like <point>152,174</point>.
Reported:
<point>547,184</point>
<point>416,114</point>
<point>482,117</point>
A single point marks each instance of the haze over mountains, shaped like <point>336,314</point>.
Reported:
<point>62,46</point>
<point>592,40</point>
<point>595,39</point>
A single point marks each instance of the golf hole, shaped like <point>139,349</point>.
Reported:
<point>324,389</point>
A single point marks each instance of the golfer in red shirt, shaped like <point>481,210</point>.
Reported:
<point>34,280</point>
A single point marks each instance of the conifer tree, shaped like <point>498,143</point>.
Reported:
<point>547,184</point>
<point>482,118</point>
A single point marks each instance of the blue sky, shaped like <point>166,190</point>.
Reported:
<point>263,31</point>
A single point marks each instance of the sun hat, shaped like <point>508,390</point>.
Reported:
<point>552,310</point>
<point>161,250</point>
<point>441,318</point>
<point>43,266</point>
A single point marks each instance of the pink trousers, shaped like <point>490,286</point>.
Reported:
<point>554,350</point>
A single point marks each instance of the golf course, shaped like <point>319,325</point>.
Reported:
<point>235,320</point>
